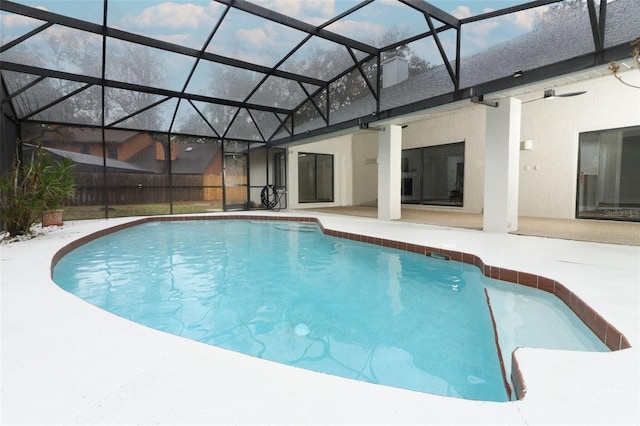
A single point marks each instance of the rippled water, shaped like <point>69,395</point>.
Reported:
<point>283,291</point>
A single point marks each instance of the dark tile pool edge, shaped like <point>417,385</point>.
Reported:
<point>605,331</point>
<point>503,371</point>
<point>519,385</point>
<point>87,238</point>
<point>115,228</point>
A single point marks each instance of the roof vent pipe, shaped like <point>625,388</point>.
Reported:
<point>394,71</point>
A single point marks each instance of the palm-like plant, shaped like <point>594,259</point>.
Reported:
<point>32,187</point>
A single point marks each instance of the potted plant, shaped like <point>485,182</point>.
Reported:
<point>58,186</point>
<point>32,188</point>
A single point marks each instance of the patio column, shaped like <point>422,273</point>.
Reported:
<point>389,163</point>
<point>501,167</point>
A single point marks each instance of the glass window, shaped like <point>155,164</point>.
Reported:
<point>113,152</point>
<point>433,175</point>
<point>315,178</point>
<point>608,175</point>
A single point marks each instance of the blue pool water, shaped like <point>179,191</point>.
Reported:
<point>284,291</point>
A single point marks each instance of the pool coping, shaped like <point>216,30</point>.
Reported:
<point>62,372</point>
<point>604,330</point>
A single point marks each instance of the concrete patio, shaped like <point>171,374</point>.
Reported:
<point>67,362</point>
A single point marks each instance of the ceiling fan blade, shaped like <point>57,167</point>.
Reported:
<point>566,95</point>
<point>531,100</point>
<point>551,93</point>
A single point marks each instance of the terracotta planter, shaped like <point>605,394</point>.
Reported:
<point>52,218</point>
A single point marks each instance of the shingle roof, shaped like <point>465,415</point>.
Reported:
<point>92,160</point>
<point>30,78</point>
<point>552,41</point>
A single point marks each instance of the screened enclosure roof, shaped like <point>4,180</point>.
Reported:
<point>275,71</point>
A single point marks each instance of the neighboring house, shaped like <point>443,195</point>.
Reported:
<point>192,165</point>
<point>137,161</point>
<point>570,157</point>
<point>120,144</point>
<point>85,163</point>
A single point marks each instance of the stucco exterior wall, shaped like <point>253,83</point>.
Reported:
<point>365,168</point>
<point>464,125</point>
<point>257,162</point>
<point>548,172</point>
<point>340,148</point>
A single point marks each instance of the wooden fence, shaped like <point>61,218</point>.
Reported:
<point>147,188</point>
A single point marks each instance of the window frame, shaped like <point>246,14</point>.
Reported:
<point>628,212</point>
<point>421,175</point>
<point>316,181</point>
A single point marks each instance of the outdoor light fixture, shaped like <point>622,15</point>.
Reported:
<point>366,126</point>
<point>517,74</point>
<point>480,100</point>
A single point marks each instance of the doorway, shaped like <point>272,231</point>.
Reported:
<point>608,175</point>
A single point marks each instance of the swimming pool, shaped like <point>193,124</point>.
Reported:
<point>286,292</point>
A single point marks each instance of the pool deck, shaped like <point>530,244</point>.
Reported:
<point>64,361</point>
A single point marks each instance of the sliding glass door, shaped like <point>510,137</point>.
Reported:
<point>609,175</point>
<point>433,175</point>
<point>315,178</point>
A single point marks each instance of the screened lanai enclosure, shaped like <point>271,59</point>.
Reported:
<point>189,106</point>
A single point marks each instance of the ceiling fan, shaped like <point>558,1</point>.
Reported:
<point>551,94</point>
